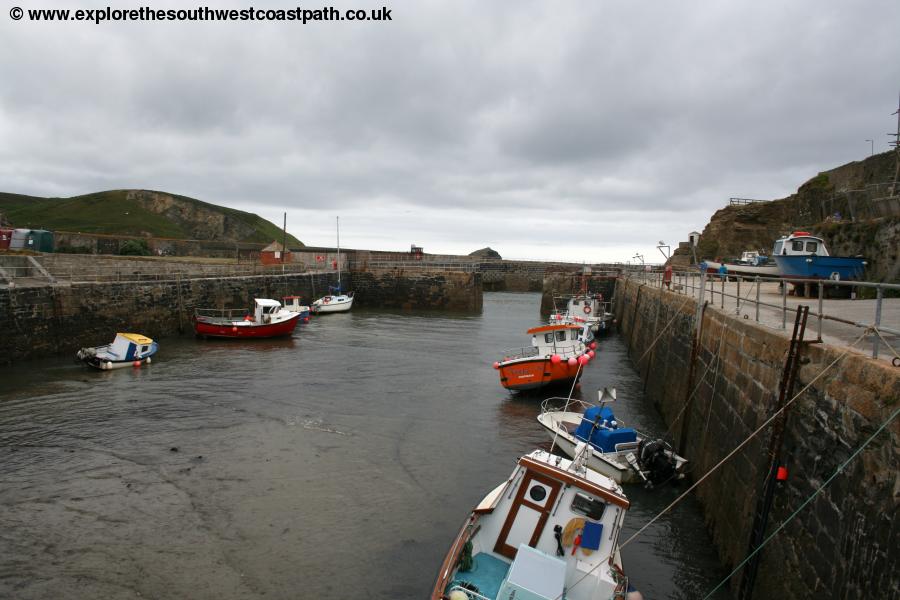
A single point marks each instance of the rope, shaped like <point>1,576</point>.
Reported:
<point>878,333</point>
<point>805,502</point>
<point>566,407</point>
<point>726,458</point>
<point>712,394</point>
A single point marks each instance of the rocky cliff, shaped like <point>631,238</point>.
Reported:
<point>850,207</point>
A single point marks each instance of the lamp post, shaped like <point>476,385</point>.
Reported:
<point>872,142</point>
<point>668,251</point>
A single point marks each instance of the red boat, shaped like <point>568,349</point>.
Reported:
<point>556,355</point>
<point>268,320</point>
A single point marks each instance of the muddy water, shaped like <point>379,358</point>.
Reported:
<point>336,464</point>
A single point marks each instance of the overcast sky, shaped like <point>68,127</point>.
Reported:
<point>583,130</point>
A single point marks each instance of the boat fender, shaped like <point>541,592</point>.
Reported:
<point>234,328</point>
<point>555,359</point>
<point>587,309</point>
<point>496,365</point>
<point>107,365</point>
<point>572,361</point>
<point>136,363</point>
<point>148,360</point>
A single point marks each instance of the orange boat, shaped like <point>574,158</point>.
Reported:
<point>556,355</point>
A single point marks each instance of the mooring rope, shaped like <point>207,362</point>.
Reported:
<point>805,502</point>
<point>725,459</point>
<point>663,330</point>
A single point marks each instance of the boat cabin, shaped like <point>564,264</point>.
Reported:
<point>799,243</point>
<point>265,309</point>
<point>564,339</point>
<point>129,346</point>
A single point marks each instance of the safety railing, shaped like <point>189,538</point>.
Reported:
<point>516,353</point>
<point>118,274</point>
<point>415,265</point>
<point>748,295</point>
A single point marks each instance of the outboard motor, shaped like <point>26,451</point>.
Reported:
<point>657,461</point>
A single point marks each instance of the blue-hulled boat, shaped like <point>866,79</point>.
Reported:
<point>804,256</point>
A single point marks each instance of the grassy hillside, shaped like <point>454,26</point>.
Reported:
<point>128,212</point>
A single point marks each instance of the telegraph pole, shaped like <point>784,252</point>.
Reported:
<point>896,145</point>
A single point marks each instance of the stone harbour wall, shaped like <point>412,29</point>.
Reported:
<point>846,542</point>
<point>416,289</point>
<point>563,282</point>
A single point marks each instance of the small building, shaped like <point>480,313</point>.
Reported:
<point>274,254</point>
<point>694,238</point>
<point>416,251</point>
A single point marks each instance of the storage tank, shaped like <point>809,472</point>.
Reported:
<point>40,240</point>
<point>19,239</point>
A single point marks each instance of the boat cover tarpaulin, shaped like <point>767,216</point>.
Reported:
<point>604,438</point>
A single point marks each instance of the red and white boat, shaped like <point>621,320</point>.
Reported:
<point>269,319</point>
<point>557,354</point>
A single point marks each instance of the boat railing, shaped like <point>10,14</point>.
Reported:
<point>516,353</point>
<point>765,300</point>
<point>221,313</point>
<point>553,403</point>
<point>471,595</point>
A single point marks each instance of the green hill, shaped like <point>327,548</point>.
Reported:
<point>140,213</point>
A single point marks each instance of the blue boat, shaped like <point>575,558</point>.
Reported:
<point>127,350</point>
<point>804,256</point>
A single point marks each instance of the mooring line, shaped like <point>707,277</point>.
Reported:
<point>805,502</point>
<point>724,459</point>
<point>663,330</point>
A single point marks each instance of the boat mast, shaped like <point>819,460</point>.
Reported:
<point>338,221</point>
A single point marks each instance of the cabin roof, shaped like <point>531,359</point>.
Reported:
<point>546,328</point>
<point>267,302</point>
<point>273,247</point>
<point>580,482</point>
<point>137,338</point>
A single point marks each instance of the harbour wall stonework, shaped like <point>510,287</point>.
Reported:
<point>46,320</point>
<point>844,543</point>
<point>418,290</point>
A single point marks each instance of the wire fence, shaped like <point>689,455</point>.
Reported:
<point>859,306</point>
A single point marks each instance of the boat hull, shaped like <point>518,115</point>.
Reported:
<point>238,329</point>
<point>332,307</point>
<point>521,375</point>
<point>744,270</point>
<point>842,268</point>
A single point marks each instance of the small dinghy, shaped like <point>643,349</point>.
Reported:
<point>617,451</point>
<point>550,531</point>
<point>127,350</point>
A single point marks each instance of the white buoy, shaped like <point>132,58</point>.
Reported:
<point>148,360</point>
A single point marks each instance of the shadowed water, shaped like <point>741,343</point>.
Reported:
<point>336,464</point>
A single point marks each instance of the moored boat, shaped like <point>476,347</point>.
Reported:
<point>804,256</point>
<point>556,356</point>
<point>751,264</point>
<point>126,350</point>
<point>267,320</point>
<point>587,308</point>
<point>335,302</point>
<point>295,304</point>
<point>549,531</point>
<point>619,452</point>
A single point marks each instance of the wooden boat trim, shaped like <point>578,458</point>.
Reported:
<point>569,478</point>
<point>437,592</point>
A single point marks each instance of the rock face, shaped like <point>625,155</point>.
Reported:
<point>201,220</point>
<point>844,206</point>
<point>486,253</point>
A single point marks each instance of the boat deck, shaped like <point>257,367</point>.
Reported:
<point>487,574</point>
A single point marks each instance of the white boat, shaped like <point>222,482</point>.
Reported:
<point>617,451</point>
<point>126,350</point>
<point>295,304</point>
<point>587,308</point>
<point>337,301</point>
<point>550,531</point>
<point>750,264</point>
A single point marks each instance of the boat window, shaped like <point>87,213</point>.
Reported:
<point>576,302</point>
<point>548,338</point>
<point>777,249</point>
<point>797,246</point>
<point>811,246</point>
<point>588,506</point>
<point>144,348</point>
<point>561,336</point>
<point>537,493</point>
<point>574,334</point>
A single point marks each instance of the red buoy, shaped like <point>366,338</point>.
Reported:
<point>496,365</point>
<point>781,474</point>
<point>555,359</point>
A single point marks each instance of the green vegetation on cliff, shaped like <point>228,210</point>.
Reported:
<point>140,213</point>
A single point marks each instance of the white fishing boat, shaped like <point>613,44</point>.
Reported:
<point>126,350</point>
<point>617,451</point>
<point>337,300</point>
<point>295,304</point>
<point>550,531</point>
<point>587,308</point>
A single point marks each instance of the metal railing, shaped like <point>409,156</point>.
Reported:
<point>516,353</point>
<point>113,274</point>
<point>415,265</point>
<point>748,290</point>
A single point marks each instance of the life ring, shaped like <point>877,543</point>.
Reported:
<point>587,309</point>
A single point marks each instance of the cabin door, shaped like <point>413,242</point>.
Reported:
<point>528,515</point>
